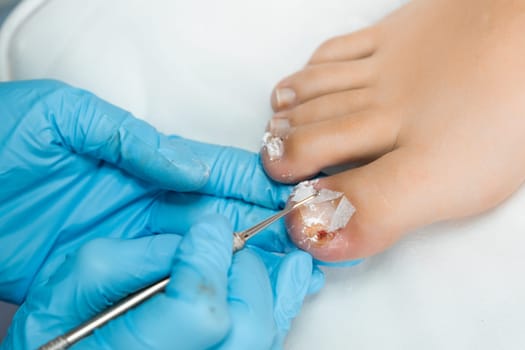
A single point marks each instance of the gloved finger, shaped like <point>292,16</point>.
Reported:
<point>317,281</point>
<point>236,173</point>
<point>191,207</point>
<point>89,125</point>
<point>293,277</point>
<point>250,301</point>
<point>100,273</point>
<point>193,311</point>
<point>273,263</point>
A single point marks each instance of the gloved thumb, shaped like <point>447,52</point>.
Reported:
<point>293,277</point>
<point>293,280</point>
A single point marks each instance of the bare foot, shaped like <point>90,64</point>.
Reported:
<point>432,99</point>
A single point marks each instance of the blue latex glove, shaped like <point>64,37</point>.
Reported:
<point>74,168</point>
<point>208,304</point>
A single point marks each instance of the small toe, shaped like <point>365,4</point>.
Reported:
<point>308,149</point>
<point>330,106</point>
<point>322,79</point>
<point>356,45</point>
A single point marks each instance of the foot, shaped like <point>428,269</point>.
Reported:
<point>431,100</point>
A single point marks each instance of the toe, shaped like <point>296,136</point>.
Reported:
<point>308,149</point>
<point>323,79</point>
<point>362,43</point>
<point>391,196</point>
<point>330,106</point>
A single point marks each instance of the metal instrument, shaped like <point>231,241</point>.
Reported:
<point>239,240</point>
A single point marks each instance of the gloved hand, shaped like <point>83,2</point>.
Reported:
<point>74,168</point>
<point>204,306</point>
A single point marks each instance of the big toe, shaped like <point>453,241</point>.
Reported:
<point>386,199</point>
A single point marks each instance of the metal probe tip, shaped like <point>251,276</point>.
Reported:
<point>240,238</point>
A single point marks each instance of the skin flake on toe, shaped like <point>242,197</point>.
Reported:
<point>274,146</point>
<point>273,139</point>
<point>322,219</point>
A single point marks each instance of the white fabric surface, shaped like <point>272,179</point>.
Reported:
<point>205,69</point>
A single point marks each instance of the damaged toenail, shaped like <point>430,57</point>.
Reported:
<point>322,219</point>
<point>284,97</point>
<point>273,139</point>
<point>279,127</point>
<point>273,145</point>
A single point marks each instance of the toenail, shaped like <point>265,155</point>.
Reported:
<point>273,139</point>
<point>279,127</point>
<point>322,219</point>
<point>273,145</point>
<point>284,97</point>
